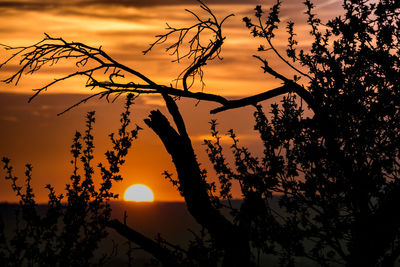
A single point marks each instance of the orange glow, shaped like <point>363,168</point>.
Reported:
<point>139,193</point>
<point>32,133</point>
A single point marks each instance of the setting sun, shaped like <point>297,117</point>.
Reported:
<point>138,193</point>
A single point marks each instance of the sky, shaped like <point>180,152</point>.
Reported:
<point>33,133</point>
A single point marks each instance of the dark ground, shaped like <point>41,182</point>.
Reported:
<point>170,219</point>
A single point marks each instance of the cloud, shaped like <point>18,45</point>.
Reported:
<point>41,5</point>
<point>125,28</point>
<point>9,118</point>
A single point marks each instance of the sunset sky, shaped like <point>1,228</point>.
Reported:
<point>33,133</point>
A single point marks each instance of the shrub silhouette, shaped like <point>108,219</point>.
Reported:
<point>335,172</point>
<point>68,233</point>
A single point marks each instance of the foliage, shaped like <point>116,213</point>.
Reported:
<point>69,232</point>
<point>336,172</point>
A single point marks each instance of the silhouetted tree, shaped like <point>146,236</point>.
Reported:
<point>68,233</point>
<point>335,171</point>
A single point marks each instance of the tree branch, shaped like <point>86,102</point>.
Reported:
<point>164,255</point>
<point>226,104</point>
<point>198,52</point>
<point>50,50</point>
<point>253,100</point>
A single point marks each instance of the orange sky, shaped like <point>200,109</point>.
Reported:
<point>33,133</point>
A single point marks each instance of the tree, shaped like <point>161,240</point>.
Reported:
<point>67,234</point>
<point>335,172</point>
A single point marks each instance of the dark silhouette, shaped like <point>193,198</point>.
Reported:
<point>67,234</point>
<point>334,172</point>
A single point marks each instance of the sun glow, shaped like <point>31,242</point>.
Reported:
<point>138,193</point>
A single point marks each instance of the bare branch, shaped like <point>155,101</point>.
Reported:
<point>252,100</point>
<point>164,255</point>
<point>87,73</point>
<point>50,50</point>
<point>226,104</point>
<point>198,52</point>
<point>84,100</point>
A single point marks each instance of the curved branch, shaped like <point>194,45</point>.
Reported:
<point>287,62</point>
<point>164,255</point>
<point>156,89</point>
<point>289,86</point>
<point>253,100</point>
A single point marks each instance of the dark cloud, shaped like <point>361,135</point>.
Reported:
<point>141,3</point>
<point>51,4</point>
<point>86,12</point>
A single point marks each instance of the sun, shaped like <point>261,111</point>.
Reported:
<point>138,193</point>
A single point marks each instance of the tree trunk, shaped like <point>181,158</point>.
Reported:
<point>232,239</point>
